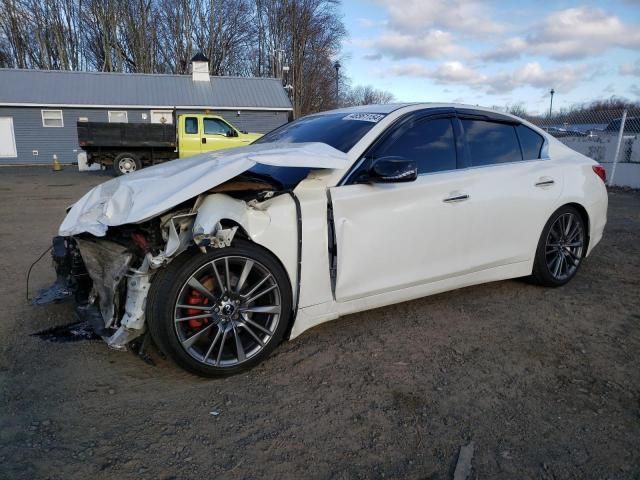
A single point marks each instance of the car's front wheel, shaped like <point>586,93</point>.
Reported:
<point>561,248</point>
<point>222,312</point>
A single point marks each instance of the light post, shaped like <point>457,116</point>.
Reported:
<point>551,102</point>
<point>337,67</point>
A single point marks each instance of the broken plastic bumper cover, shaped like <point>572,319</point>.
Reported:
<point>92,272</point>
<point>65,286</point>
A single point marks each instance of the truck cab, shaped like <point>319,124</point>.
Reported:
<point>199,133</point>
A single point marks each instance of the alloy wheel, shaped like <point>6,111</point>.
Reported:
<point>227,311</point>
<point>564,246</point>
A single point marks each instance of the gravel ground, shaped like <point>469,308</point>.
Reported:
<point>545,382</point>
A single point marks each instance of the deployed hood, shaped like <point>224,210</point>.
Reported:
<point>144,194</point>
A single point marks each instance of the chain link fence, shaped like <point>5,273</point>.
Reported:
<point>611,137</point>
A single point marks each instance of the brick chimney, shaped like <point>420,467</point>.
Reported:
<point>200,68</point>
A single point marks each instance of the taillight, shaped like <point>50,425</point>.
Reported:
<point>600,171</point>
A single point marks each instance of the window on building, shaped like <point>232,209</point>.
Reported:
<point>191,125</point>
<point>491,143</point>
<point>52,118</point>
<point>162,116</point>
<point>118,117</point>
<point>429,143</point>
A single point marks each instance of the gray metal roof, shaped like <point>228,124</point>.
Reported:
<point>62,88</point>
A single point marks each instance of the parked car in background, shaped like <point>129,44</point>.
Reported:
<point>223,255</point>
<point>563,132</point>
<point>127,147</point>
<point>631,125</point>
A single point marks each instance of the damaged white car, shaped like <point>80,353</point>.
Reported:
<point>221,256</point>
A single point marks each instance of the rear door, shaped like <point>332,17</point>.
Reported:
<point>189,136</point>
<point>511,189</point>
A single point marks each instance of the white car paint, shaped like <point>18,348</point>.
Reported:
<point>395,242</point>
<point>398,242</point>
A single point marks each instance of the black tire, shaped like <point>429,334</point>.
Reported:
<point>558,250</point>
<point>168,291</point>
<point>125,163</point>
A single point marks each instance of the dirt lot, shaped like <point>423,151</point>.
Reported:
<point>546,383</point>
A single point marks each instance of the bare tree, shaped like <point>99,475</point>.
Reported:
<point>366,95</point>
<point>13,19</point>
<point>240,37</point>
<point>175,33</point>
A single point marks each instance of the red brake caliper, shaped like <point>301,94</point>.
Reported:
<point>195,298</point>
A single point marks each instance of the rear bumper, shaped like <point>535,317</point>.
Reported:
<point>597,219</point>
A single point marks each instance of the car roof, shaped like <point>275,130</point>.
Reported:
<point>392,107</point>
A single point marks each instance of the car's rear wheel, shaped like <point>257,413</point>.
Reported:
<point>561,248</point>
<point>126,163</point>
<point>222,312</point>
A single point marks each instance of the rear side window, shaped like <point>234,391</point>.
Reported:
<point>491,143</point>
<point>191,125</point>
<point>530,141</point>
<point>429,143</point>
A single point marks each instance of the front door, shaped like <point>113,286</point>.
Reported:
<point>217,135</point>
<point>7,138</point>
<point>397,235</point>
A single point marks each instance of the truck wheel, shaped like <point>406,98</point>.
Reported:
<point>126,163</point>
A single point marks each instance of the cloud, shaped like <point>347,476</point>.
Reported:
<point>563,78</point>
<point>373,56</point>
<point>571,33</point>
<point>369,23</point>
<point>398,46</point>
<point>512,48</point>
<point>635,90</point>
<point>630,69</point>
<point>465,16</point>
<point>430,29</point>
<point>457,73</point>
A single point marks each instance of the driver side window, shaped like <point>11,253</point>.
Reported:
<point>429,143</point>
<point>214,126</point>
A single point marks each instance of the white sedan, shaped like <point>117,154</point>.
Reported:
<point>219,257</point>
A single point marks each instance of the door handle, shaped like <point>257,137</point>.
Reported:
<point>458,197</point>
<point>545,182</point>
<point>204,140</point>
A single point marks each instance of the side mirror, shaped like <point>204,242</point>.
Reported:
<point>230,133</point>
<point>393,170</point>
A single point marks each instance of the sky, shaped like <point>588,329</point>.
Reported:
<point>495,53</point>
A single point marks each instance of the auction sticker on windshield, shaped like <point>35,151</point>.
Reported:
<point>365,117</point>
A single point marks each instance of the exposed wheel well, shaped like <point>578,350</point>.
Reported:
<point>585,218</point>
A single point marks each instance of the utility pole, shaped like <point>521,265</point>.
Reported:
<point>551,103</point>
<point>337,67</point>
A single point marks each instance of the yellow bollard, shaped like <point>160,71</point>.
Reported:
<point>57,166</point>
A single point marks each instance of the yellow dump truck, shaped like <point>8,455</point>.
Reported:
<point>127,147</point>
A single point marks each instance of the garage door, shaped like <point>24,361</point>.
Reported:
<point>7,138</point>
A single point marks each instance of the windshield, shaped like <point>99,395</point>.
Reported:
<point>339,130</point>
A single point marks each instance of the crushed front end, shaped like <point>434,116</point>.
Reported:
<point>109,277</point>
